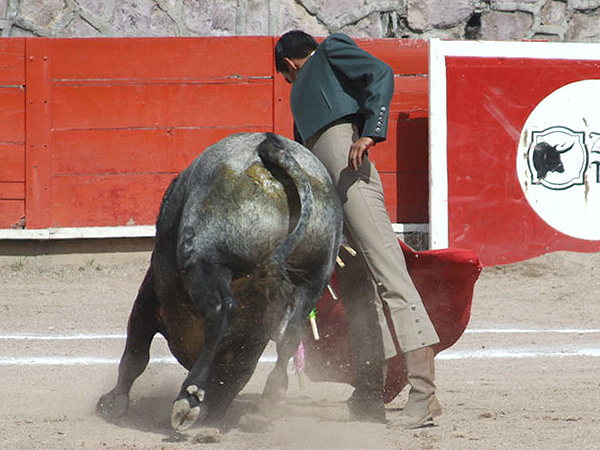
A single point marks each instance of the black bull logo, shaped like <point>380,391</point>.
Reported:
<point>546,158</point>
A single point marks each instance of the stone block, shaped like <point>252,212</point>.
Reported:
<point>141,18</point>
<point>16,31</point>
<point>80,28</point>
<point>584,28</point>
<point>547,37</point>
<point>369,27</point>
<point>340,14</point>
<point>426,14</point>
<point>506,26</point>
<point>554,13</point>
<point>94,6</point>
<point>3,8</point>
<point>210,17</point>
<point>582,5</point>
<point>42,14</point>
<point>257,18</point>
<point>519,5</point>
<point>329,10</point>
<point>294,17</point>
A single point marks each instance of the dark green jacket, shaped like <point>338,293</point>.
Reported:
<point>338,80</point>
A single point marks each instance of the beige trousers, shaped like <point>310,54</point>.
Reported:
<point>379,273</point>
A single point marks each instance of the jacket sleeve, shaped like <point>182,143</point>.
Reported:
<point>369,80</point>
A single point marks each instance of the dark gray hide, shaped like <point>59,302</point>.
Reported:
<point>246,242</point>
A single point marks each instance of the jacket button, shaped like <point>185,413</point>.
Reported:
<point>377,130</point>
<point>383,108</point>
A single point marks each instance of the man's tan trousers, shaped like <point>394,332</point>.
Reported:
<point>378,274</point>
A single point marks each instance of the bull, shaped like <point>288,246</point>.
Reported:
<point>246,242</point>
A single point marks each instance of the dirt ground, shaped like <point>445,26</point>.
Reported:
<point>524,376</point>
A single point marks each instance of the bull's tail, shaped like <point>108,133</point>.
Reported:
<point>272,150</point>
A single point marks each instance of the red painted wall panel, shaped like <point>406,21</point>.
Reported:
<point>12,114</point>
<point>178,59</point>
<point>484,195</point>
<point>161,105</point>
<point>38,133</point>
<point>107,199</point>
<point>385,154</point>
<point>413,167</point>
<point>103,125</point>
<point>159,150</point>
<point>11,212</point>
<point>12,162</point>
<point>405,56</point>
<point>389,180</point>
<point>413,189</point>
<point>12,190</point>
<point>411,93</point>
<point>12,131</point>
<point>12,61</point>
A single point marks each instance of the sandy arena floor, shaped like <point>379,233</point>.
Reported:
<point>524,376</point>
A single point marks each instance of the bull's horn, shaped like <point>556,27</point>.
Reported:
<point>566,149</point>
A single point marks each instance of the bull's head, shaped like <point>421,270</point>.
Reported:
<point>546,158</point>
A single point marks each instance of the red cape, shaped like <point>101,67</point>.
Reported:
<point>444,278</point>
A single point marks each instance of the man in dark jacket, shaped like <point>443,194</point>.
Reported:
<point>340,101</point>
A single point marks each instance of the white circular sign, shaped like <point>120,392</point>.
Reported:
<point>558,160</point>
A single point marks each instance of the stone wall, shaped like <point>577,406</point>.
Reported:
<point>552,20</point>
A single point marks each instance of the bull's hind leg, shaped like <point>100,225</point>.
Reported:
<point>305,299</point>
<point>209,288</point>
<point>235,364</point>
<point>142,326</point>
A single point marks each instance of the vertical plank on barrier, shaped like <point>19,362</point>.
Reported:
<point>12,131</point>
<point>38,150</point>
<point>283,123</point>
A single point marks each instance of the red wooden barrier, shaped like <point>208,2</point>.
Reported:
<point>12,131</point>
<point>93,130</point>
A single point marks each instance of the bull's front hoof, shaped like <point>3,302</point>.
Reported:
<point>113,405</point>
<point>183,415</point>
<point>186,410</point>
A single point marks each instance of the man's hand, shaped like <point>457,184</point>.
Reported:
<point>357,151</point>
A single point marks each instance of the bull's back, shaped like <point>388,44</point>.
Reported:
<point>240,208</point>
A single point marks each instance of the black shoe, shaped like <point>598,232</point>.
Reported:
<point>366,406</point>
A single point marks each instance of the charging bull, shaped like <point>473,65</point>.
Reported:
<point>246,241</point>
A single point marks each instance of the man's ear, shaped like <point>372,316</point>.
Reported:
<point>291,65</point>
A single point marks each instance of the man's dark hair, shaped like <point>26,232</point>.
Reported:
<point>294,44</point>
